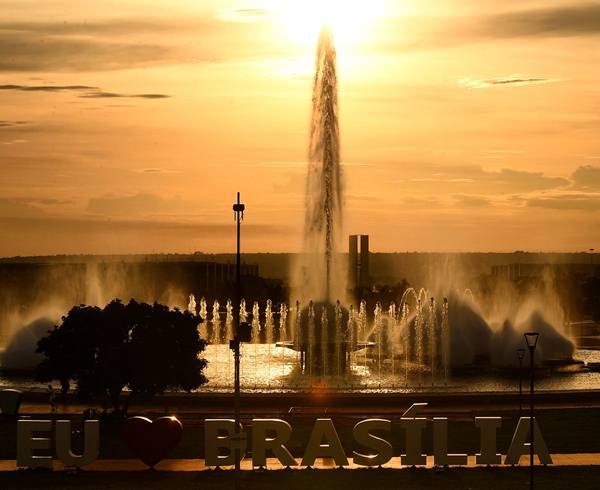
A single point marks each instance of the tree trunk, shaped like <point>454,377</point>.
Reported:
<point>127,402</point>
<point>64,390</point>
<point>114,395</point>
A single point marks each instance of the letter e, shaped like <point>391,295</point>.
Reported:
<point>26,444</point>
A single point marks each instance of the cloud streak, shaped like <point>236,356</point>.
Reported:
<point>238,33</point>
<point>464,178</point>
<point>582,19</point>
<point>515,80</point>
<point>428,32</point>
<point>243,15</point>
<point>24,52</point>
<point>13,208</point>
<point>471,201</point>
<point>133,42</point>
<point>142,204</point>
<point>587,177</point>
<point>87,92</point>
<point>47,88</point>
<point>571,201</point>
<point>12,124</point>
<point>113,95</point>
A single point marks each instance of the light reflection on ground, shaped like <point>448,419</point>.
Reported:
<point>268,368</point>
<point>271,368</point>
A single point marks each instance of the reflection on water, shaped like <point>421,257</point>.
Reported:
<point>267,367</point>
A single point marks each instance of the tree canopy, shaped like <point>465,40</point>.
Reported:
<point>145,348</point>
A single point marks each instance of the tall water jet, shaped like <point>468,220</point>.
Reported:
<point>216,323</point>
<point>191,304</point>
<point>229,320</point>
<point>322,278</point>
<point>283,313</point>
<point>243,312</point>
<point>203,310</point>
<point>255,323</point>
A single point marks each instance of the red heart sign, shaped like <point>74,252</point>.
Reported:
<point>152,441</point>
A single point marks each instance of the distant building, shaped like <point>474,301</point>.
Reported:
<point>358,257</point>
<point>514,272</point>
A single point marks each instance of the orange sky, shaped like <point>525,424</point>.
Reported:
<point>466,125</point>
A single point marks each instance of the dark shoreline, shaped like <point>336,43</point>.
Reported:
<point>319,398</point>
<point>549,478</point>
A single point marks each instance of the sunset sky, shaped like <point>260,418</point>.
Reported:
<point>466,125</point>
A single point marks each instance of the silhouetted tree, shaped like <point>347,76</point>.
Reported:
<point>146,348</point>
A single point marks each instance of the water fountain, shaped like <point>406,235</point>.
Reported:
<point>329,341</point>
<point>416,343</point>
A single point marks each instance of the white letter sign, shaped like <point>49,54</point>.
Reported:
<point>218,435</point>
<point>519,446</point>
<point>488,427</point>
<point>332,448</point>
<point>26,443</point>
<point>440,445</point>
<point>261,442</point>
<point>382,448</point>
<point>91,447</point>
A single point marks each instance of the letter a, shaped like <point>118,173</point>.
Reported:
<point>332,448</point>
<point>519,444</point>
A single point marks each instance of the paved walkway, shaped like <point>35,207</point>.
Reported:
<point>37,408</point>
<point>579,459</point>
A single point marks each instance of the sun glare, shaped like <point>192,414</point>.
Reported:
<point>348,19</point>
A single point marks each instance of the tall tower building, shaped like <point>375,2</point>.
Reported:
<point>353,272</point>
<point>364,276</point>
<point>358,258</point>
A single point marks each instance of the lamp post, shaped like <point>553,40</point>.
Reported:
<point>238,211</point>
<point>531,338</point>
<point>520,355</point>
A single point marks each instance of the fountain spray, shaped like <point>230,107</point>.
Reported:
<point>323,280</point>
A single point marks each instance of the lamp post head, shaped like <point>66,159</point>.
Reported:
<point>520,354</point>
<point>531,338</point>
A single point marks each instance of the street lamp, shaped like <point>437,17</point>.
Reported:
<point>520,355</point>
<point>234,344</point>
<point>531,338</point>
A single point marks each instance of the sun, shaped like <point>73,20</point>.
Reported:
<point>348,19</point>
